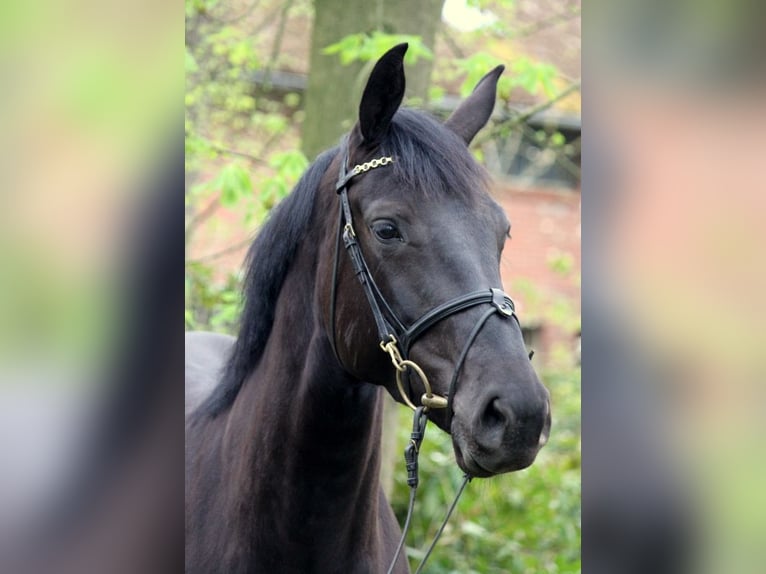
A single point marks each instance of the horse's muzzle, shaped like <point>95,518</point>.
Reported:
<point>501,437</point>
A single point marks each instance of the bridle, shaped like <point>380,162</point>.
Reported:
<point>396,338</point>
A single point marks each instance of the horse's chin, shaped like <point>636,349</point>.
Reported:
<point>469,465</point>
<point>483,466</point>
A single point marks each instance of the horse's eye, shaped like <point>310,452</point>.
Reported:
<point>386,231</point>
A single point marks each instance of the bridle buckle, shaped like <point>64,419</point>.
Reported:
<point>502,303</point>
<point>433,401</point>
<point>392,348</point>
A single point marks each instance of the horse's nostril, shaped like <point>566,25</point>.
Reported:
<point>494,414</point>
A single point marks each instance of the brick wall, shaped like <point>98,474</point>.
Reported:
<point>541,262</point>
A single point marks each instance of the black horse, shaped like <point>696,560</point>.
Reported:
<point>284,424</point>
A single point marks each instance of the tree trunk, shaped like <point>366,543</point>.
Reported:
<point>334,90</point>
<point>332,101</point>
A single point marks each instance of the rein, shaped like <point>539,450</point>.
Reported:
<point>396,339</point>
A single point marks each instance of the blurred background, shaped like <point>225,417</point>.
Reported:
<point>673,388</point>
<point>272,83</point>
<point>90,163</point>
<point>91,244</point>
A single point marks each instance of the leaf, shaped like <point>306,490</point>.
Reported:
<point>435,93</point>
<point>560,262</point>
<point>275,123</point>
<point>292,99</point>
<point>366,47</point>
<point>534,77</point>
<point>557,139</point>
<point>289,165</point>
<point>234,183</point>
<point>242,55</point>
<point>475,67</point>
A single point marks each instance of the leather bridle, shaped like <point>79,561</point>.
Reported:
<point>395,337</point>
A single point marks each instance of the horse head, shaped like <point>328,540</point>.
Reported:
<point>430,238</point>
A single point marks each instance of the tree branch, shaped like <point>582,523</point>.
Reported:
<point>541,25</point>
<point>229,151</point>
<point>449,39</point>
<point>277,45</point>
<point>231,19</point>
<point>522,117</point>
<point>223,252</point>
<point>201,216</point>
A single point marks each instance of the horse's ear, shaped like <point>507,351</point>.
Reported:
<point>471,115</point>
<point>382,95</point>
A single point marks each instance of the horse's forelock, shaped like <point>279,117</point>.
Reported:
<point>430,159</point>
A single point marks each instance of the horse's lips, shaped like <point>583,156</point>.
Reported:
<point>468,464</point>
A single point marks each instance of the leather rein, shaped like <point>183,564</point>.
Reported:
<point>396,339</point>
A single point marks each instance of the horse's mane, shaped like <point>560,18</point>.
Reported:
<point>268,260</point>
<point>430,159</point>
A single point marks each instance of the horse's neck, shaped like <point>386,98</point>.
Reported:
<point>302,438</point>
<point>299,413</point>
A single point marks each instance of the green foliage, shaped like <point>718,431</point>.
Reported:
<point>561,262</point>
<point>473,69</point>
<point>233,155</point>
<point>436,93</point>
<point>555,310</point>
<point>288,167</point>
<point>210,306</point>
<point>195,7</point>
<point>534,77</point>
<point>235,184</point>
<point>366,47</point>
<point>557,139</point>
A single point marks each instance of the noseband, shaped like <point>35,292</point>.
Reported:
<point>395,337</point>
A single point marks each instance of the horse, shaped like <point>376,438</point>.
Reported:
<point>379,272</point>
